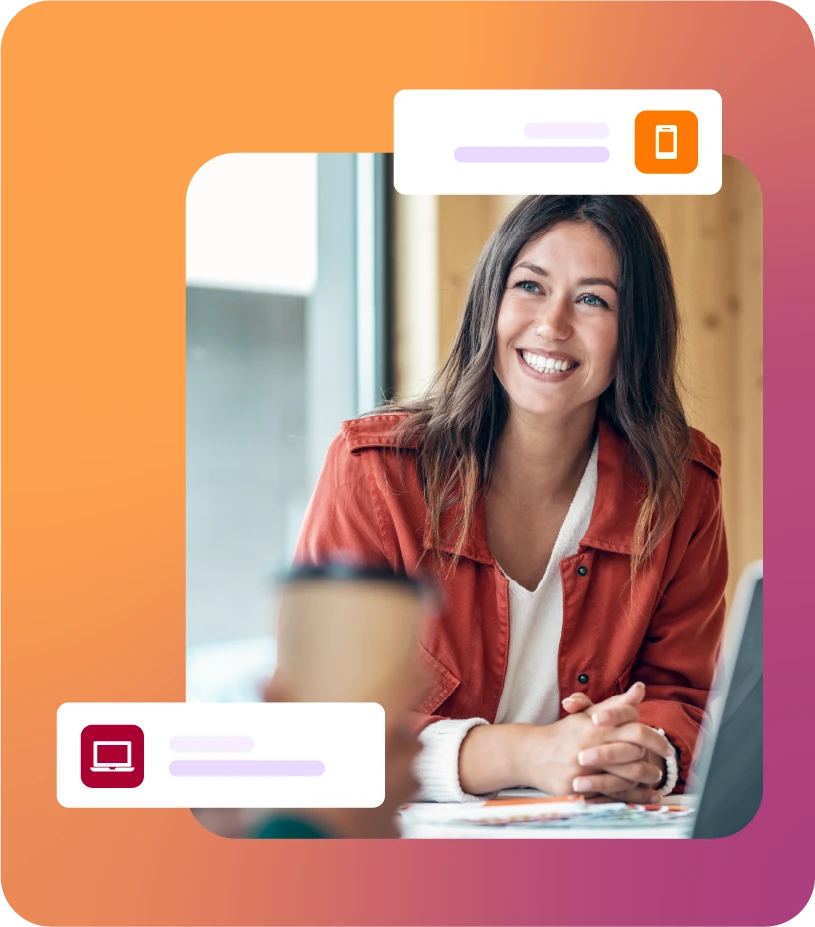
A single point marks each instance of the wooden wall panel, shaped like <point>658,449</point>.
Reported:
<point>746,221</point>
<point>715,245</point>
<point>465,224</point>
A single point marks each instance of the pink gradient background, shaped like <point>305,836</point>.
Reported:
<point>107,111</point>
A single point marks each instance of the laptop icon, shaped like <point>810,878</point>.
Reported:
<point>112,756</point>
<point>111,748</point>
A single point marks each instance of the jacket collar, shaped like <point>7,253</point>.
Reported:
<point>620,489</point>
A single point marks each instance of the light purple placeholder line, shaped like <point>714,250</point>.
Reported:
<point>566,130</point>
<point>527,154</point>
<point>246,768</point>
<point>211,744</point>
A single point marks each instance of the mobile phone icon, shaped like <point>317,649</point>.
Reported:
<point>666,142</point>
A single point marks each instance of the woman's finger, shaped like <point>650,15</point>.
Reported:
<point>607,711</point>
<point>632,696</point>
<point>639,773</point>
<point>642,735</point>
<point>576,702</point>
<point>615,787</point>
<point>605,783</point>
<point>611,711</point>
<point>614,715</point>
<point>611,755</point>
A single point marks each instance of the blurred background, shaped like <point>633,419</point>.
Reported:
<point>314,292</point>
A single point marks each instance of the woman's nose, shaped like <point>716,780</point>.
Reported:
<point>554,321</point>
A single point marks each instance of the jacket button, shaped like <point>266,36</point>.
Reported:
<point>582,679</point>
<point>582,570</point>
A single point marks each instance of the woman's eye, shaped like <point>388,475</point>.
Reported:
<point>528,286</point>
<point>591,299</point>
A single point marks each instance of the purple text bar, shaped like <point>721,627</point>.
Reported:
<point>246,768</point>
<point>526,154</point>
<point>566,130</point>
<point>211,744</point>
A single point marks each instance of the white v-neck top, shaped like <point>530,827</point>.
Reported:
<point>530,693</point>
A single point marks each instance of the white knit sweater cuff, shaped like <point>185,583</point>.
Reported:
<point>671,769</point>
<point>437,764</point>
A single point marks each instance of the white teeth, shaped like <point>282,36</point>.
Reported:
<point>545,364</point>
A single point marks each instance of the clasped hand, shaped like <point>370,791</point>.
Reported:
<point>601,749</point>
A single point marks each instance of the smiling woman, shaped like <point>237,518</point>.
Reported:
<point>550,480</point>
<point>603,297</point>
<point>569,311</point>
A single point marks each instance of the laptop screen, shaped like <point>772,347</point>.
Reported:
<point>730,765</point>
<point>118,754</point>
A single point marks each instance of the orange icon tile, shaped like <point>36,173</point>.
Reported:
<point>666,141</point>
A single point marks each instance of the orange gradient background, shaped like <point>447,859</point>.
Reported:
<point>108,109</point>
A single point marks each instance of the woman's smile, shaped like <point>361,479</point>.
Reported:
<point>550,368</point>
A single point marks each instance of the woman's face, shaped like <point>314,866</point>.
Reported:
<point>556,336</point>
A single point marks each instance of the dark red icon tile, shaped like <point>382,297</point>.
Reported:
<point>112,756</point>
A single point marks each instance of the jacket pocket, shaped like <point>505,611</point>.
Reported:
<point>442,682</point>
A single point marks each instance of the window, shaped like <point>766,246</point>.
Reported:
<point>286,297</point>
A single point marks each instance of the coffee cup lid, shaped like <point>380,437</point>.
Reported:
<point>345,570</point>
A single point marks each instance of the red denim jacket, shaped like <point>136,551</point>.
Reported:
<point>368,506</point>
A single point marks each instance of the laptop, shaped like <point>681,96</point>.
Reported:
<point>112,756</point>
<point>727,774</point>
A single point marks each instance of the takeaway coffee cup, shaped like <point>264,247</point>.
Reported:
<point>350,634</point>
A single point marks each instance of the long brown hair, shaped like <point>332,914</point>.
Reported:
<point>457,423</point>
